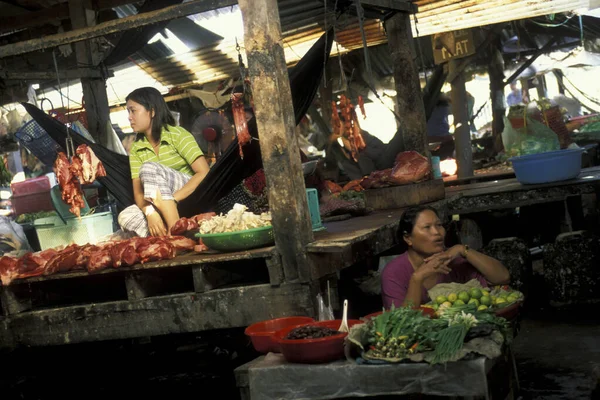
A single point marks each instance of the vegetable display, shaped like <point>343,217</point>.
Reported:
<point>398,333</point>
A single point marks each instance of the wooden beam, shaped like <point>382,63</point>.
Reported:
<point>153,316</point>
<point>94,89</point>
<point>118,25</point>
<point>462,133</point>
<point>278,142</point>
<point>51,15</point>
<point>409,97</point>
<point>496,74</point>
<point>531,59</point>
<point>51,75</point>
<point>392,5</point>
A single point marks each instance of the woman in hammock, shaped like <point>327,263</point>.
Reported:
<point>166,165</point>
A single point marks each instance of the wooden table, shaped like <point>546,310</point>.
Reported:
<point>509,193</point>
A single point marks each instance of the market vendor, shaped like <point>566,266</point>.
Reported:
<point>166,163</point>
<point>427,262</point>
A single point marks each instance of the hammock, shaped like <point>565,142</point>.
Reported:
<point>230,169</point>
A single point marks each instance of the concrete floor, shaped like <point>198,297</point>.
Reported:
<point>558,354</point>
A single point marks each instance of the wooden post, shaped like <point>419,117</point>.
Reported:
<point>278,142</point>
<point>94,89</point>
<point>409,97</point>
<point>462,133</point>
<point>559,79</point>
<point>496,74</point>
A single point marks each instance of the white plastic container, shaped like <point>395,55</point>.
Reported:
<point>52,231</point>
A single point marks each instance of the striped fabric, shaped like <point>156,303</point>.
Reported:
<point>155,177</point>
<point>178,150</point>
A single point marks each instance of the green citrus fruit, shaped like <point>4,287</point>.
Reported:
<point>474,301</point>
<point>452,297</point>
<point>475,293</point>
<point>482,308</point>
<point>459,302</point>
<point>486,300</point>
<point>500,300</point>
<point>464,296</point>
<point>441,299</point>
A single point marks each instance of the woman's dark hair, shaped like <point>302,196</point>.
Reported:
<point>408,219</point>
<point>152,100</point>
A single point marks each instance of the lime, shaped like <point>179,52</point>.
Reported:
<point>503,295</point>
<point>486,300</point>
<point>511,299</point>
<point>464,296</point>
<point>482,308</point>
<point>474,301</point>
<point>435,307</point>
<point>459,302</point>
<point>452,297</point>
<point>500,300</point>
<point>441,299</point>
<point>475,293</point>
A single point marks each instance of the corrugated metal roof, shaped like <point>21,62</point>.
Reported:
<point>303,22</point>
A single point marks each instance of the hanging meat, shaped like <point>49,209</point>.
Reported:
<point>361,105</point>
<point>239,119</point>
<point>91,166</point>
<point>66,174</point>
<point>348,127</point>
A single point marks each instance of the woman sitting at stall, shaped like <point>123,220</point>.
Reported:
<point>166,165</point>
<point>407,278</point>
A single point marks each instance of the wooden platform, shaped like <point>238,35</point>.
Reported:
<point>509,193</point>
<point>197,273</point>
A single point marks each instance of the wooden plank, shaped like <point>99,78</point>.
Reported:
<point>272,101</point>
<point>462,132</point>
<point>275,267</point>
<point>118,25</point>
<point>184,313</point>
<point>211,276</point>
<point>486,202</point>
<point>51,75</point>
<point>189,259</point>
<point>15,299</point>
<point>51,15</point>
<point>392,5</point>
<point>395,197</point>
<point>409,98</point>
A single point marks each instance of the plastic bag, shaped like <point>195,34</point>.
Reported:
<point>325,312</point>
<point>533,138</point>
<point>15,121</point>
<point>12,236</point>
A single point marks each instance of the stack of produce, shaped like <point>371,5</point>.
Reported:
<point>397,334</point>
<point>482,298</point>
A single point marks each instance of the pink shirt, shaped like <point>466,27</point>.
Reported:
<point>396,276</point>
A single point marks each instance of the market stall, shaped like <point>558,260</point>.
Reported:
<point>458,350</point>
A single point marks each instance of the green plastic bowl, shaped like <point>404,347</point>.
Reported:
<point>239,240</point>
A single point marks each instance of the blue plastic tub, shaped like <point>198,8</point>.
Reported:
<point>547,167</point>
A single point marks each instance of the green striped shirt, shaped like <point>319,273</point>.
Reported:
<point>178,150</point>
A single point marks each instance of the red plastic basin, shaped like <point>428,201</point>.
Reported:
<point>313,351</point>
<point>261,333</point>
